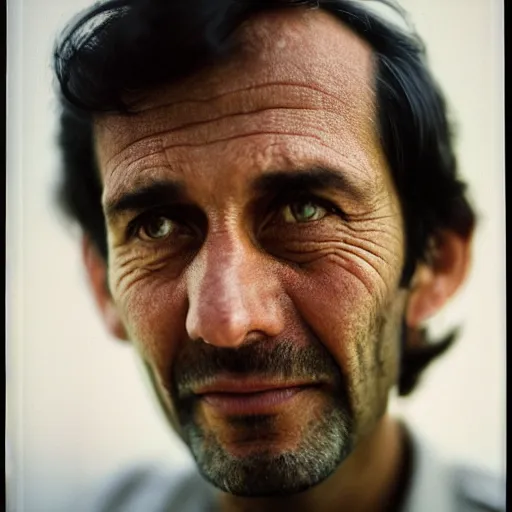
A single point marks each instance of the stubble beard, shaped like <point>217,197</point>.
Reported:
<point>325,444</point>
<point>266,469</point>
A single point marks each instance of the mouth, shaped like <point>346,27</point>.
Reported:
<point>250,397</point>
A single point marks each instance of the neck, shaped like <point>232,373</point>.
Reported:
<point>363,482</point>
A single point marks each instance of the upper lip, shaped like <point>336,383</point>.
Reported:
<point>243,385</point>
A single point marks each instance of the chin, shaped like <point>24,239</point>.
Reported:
<point>265,467</point>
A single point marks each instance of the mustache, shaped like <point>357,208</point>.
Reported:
<point>198,364</point>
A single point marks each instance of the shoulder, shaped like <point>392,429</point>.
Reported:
<point>152,488</point>
<point>438,485</point>
<point>479,490</point>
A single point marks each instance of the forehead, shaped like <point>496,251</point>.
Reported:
<point>289,59</point>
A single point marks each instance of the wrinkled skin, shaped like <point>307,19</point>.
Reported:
<point>224,265</point>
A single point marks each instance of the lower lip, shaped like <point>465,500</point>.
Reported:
<point>245,404</point>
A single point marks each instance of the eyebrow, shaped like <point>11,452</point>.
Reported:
<point>165,192</point>
<point>317,178</point>
<point>159,193</point>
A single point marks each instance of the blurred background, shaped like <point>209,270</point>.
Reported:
<point>77,408</point>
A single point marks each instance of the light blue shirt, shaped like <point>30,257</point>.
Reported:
<point>434,487</point>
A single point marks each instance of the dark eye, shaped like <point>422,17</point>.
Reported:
<point>303,211</point>
<point>156,227</point>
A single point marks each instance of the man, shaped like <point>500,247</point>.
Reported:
<point>270,213</point>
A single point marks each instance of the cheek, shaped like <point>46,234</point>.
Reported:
<point>153,307</point>
<point>357,321</point>
<point>154,311</point>
<point>343,277</point>
<point>335,304</point>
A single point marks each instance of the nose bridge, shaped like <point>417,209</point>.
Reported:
<point>230,296</point>
<point>223,273</point>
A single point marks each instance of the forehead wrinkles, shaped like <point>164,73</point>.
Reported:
<point>278,108</point>
<point>315,62</point>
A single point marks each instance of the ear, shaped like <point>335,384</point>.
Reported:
<point>435,281</point>
<point>96,268</point>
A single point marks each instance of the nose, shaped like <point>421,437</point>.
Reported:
<point>233,294</point>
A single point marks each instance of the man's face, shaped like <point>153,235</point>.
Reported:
<point>255,250</point>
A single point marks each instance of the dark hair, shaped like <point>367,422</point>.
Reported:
<point>123,46</point>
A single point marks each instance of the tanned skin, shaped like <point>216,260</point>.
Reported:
<point>204,260</point>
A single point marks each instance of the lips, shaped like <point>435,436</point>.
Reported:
<point>246,397</point>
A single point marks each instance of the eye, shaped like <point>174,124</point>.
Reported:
<point>303,211</point>
<point>155,228</point>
